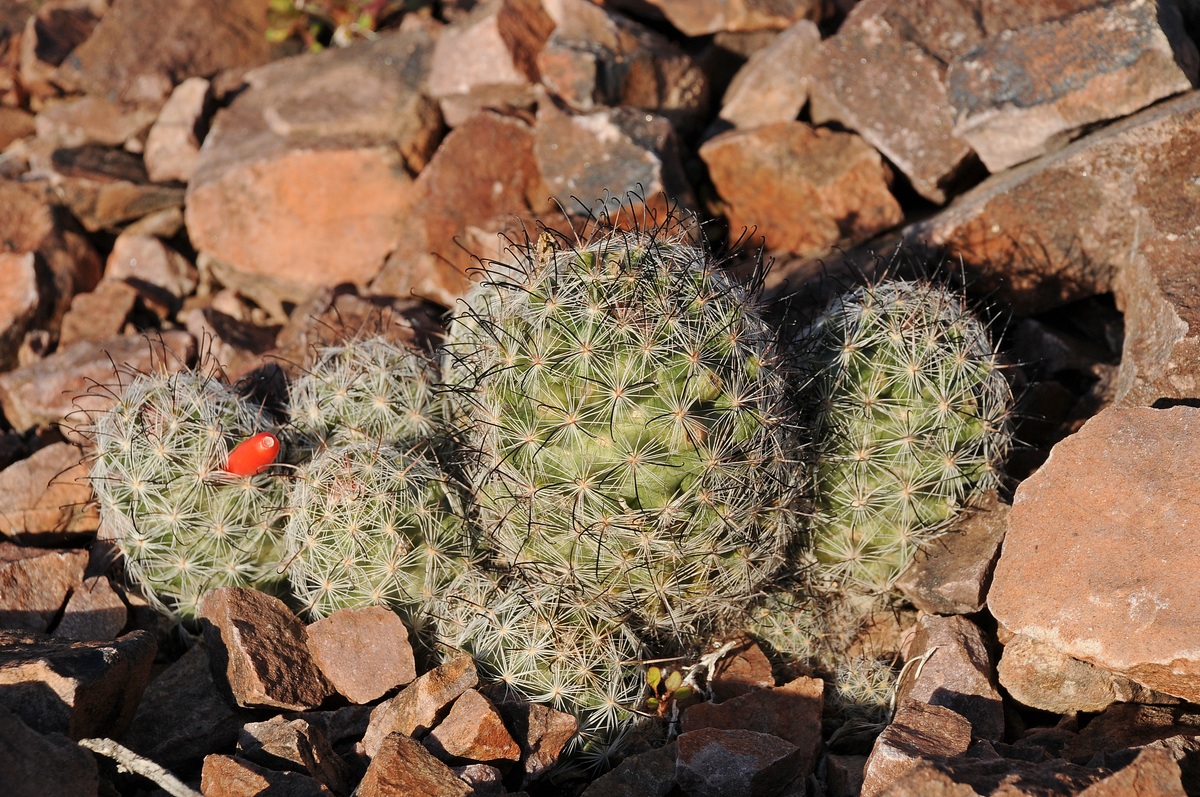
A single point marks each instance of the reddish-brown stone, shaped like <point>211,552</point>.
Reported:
<point>173,145</point>
<point>44,765</point>
<point>488,59</point>
<point>129,60</point>
<point>419,705</point>
<point>1154,773</point>
<point>305,177</point>
<point>918,731</point>
<point>743,669</point>
<point>799,188</point>
<point>473,730</point>
<point>542,732</point>
<point>402,766</point>
<point>63,385</point>
<point>1096,560</point>
<point>791,712</point>
<point>98,314</point>
<point>965,776</point>
<point>878,75</point>
<point>82,689</point>
<point>952,573</point>
<point>702,17</point>
<point>160,275</point>
<point>35,583</point>
<point>297,745</point>
<point>45,497</point>
<point>49,37</point>
<point>957,672</point>
<point>1039,675</point>
<point>716,762</point>
<point>259,649</point>
<point>77,121</point>
<point>772,86</point>
<point>19,302</point>
<point>484,168</point>
<point>94,613</point>
<point>233,776</point>
<point>1029,90</point>
<point>648,774</point>
<point>365,652</point>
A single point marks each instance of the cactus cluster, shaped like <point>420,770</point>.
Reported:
<point>182,523</point>
<point>631,427</point>
<point>908,418</point>
<point>607,461</point>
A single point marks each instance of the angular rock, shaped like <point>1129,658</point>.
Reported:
<point>744,669</point>
<point>542,733</point>
<point>1154,773</point>
<point>173,143</point>
<point>1106,597</point>
<point>484,168</point>
<point>45,498</point>
<point>952,573</point>
<point>63,385</point>
<point>365,653</point>
<point>879,75</point>
<point>303,179</point>
<point>183,715</point>
<point>488,59</point>
<point>231,776</point>
<point>104,187</point>
<point>1126,727</point>
<point>473,730</point>
<point>127,60</point>
<point>773,85</point>
<point>19,302</point>
<point>791,712</point>
<point>917,731</point>
<point>161,276</point>
<point>295,745</point>
<point>844,774</point>
<point>648,774</point>
<point>1105,214</point>
<point>81,689</point>
<point>713,762</point>
<point>259,649</point>
<point>958,673</point>
<point>702,17</point>
<point>619,152</point>
<point>35,583</point>
<point>94,613</point>
<point>30,224</point>
<point>239,347</point>
<point>993,777</point>
<point>49,37</point>
<point>1029,90</point>
<point>402,766</point>
<point>801,188</point>
<point>43,765</point>
<point>98,314</point>
<point>15,124</point>
<point>598,58</point>
<point>90,119</point>
<point>1037,674</point>
<point>419,705</point>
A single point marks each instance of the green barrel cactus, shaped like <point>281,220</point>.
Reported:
<point>183,524</point>
<point>373,524</point>
<point>909,417</point>
<point>371,389</point>
<point>632,431</point>
<point>554,647</point>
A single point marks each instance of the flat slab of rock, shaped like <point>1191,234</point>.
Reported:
<point>63,385</point>
<point>259,648</point>
<point>1028,90</point>
<point>46,496</point>
<point>1098,557</point>
<point>803,189</point>
<point>1040,675</point>
<point>918,731</point>
<point>718,762</point>
<point>233,776</point>
<point>35,583</point>
<point>304,178</point>
<point>883,75</point>
<point>773,85</point>
<point>365,653</point>
<point>402,766</point>
<point>422,703</point>
<point>81,689</point>
<point>295,745</point>
<point>993,777</point>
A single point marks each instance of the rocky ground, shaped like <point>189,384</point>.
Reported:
<point>176,182</point>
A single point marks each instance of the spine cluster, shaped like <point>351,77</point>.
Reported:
<point>606,462</point>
